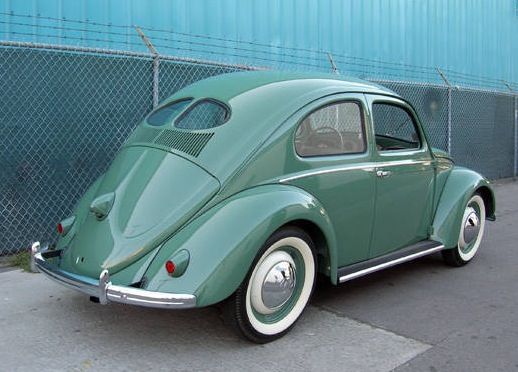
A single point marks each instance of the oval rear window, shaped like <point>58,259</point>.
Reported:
<point>205,114</point>
<point>166,114</point>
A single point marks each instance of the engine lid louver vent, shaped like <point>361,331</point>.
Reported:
<point>191,143</point>
<point>187,142</point>
<point>143,135</point>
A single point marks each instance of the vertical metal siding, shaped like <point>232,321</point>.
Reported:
<point>478,37</point>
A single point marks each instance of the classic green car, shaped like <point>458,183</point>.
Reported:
<point>241,188</point>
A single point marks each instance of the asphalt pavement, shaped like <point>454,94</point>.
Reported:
<point>420,316</point>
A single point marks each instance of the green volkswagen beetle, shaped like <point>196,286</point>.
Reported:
<point>241,188</point>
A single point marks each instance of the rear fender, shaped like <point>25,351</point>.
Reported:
<point>80,211</point>
<point>461,184</point>
<point>223,242</point>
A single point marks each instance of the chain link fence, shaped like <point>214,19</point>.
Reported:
<point>65,111</point>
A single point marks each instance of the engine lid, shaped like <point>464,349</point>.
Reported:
<point>144,197</point>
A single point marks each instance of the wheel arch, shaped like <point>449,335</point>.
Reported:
<point>461,184</point>
<point>319,240</point>
<point>489,201</point>
<point>224,241</point>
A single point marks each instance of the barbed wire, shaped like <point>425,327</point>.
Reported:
<point>65,37</point>
<point>190,35</point>
<point>323,63</point>
<point>364,73</point>
<point>322,58</point>
<point>311,58</point>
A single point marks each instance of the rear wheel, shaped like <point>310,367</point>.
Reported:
<point>277,288</point>
<point>471,232</point>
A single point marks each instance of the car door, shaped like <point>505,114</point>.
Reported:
<point>405,176</point>
<point>334,164</point>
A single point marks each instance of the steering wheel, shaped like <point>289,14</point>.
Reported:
<point>337,141</point>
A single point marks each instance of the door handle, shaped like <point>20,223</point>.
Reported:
<point>383,173</point>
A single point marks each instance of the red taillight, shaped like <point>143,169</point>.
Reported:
<point>170,266</point>
<point>60,229</point>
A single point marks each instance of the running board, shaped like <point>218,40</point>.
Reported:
<point>409,253</point>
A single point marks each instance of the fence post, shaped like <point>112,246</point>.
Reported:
<point>443,77</point>
<point>508,86</point>
<point>156,71</point>
<point>515,145</point>
<point>515,135</point>
<point>156,64</point>
<point>332,62</point>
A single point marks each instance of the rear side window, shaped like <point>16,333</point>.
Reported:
<point>167,113</point>
<point>203,115</point>
<point>334,129</point>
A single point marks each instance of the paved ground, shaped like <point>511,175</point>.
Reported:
<point>421,316</point>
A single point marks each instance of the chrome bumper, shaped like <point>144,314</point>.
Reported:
<point>106,292</point>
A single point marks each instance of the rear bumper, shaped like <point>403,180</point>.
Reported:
<point>108,292</point>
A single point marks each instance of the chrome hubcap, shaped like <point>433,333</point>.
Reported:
<point>471,226</point>
<point>278,285</point>
<point>274,283</point>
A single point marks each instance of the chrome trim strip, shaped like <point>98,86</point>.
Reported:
<point>108,292</point>
<point>326,171</point>
<point>385,265</point>
<point>368,167</point>
<point>141,297</point>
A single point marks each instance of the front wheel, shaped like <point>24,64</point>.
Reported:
<point>277,288</point>
<point>471,232</point>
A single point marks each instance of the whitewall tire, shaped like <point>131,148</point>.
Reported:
<point>471,232</point>
<point>277,288</point>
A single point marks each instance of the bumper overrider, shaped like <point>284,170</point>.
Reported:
<point>107,292</point>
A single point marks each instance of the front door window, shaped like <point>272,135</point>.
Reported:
<point>394,127</point>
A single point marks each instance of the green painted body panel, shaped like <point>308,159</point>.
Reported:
<point>224,241</point>
<point>260,102</point>
<point>460,185</point>
<point>404,200</point>
<point>347,196</point>
<point>81,212</point>
<point>221,205</point>
<point>443,168</point>
<point>403,205</point>
<point>134,272</point>
<point>156,193</point>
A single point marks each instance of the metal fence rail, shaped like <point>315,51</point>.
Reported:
<point>64,112</point>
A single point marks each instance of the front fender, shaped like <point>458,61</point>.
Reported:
<point>461,184</point>
<point>223,241</point>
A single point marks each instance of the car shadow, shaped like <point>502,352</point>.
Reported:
<point>381,281</point>
<point>119,323</point>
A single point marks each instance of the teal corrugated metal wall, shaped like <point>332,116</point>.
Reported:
<point>478,37</point>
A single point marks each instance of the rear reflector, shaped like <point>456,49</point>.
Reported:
<point>65,225</point>
<point>170,266</point>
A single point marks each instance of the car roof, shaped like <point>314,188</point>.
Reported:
<point>260,102</point>
<point>227,86</point>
